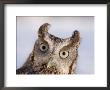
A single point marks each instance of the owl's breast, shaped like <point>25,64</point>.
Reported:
<point>43,69</point>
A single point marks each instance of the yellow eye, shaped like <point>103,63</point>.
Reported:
<point>43,47</point>
<point>64,54</point>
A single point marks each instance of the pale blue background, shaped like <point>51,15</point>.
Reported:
<point>63,27</point>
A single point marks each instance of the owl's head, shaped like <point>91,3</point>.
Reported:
<point>53,54</point>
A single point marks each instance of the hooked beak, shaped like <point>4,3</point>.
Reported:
<point>50,64</point>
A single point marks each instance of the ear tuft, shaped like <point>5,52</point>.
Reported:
<point>43,28</point>
<point>75,36</point>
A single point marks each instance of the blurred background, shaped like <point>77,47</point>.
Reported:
<point>63,27</point>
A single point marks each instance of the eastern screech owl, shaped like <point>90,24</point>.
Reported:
<point>51,54</point>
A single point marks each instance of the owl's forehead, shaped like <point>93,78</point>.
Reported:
<point>56,42</point>
<point>55,39</point>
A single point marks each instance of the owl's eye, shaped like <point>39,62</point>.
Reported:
<point>43,47</point>
<point>64,54</point>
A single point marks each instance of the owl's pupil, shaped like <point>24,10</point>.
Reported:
<point>43,47</point>
<point>63,53</point>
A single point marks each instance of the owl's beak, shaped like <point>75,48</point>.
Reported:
<point>50,64</point>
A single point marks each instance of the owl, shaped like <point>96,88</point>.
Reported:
<point>51,54</point>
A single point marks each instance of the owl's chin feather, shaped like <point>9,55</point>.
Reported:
<point>39,70</point>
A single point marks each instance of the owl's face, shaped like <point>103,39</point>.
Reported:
<point>57,53</point>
